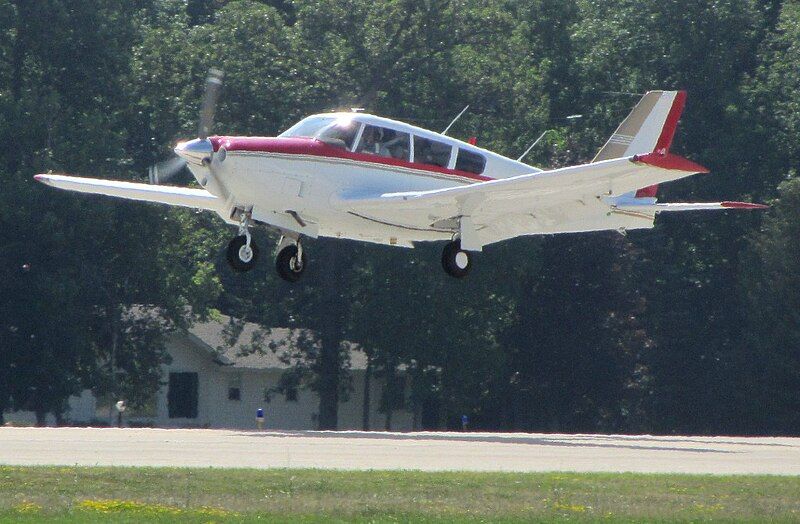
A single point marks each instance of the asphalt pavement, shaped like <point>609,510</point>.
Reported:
<point>354,450</point>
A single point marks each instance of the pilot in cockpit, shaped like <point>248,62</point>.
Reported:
<point>373,142</point>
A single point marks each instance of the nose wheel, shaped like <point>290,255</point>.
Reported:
<point>242,255</point>
<point>455,261</point>
<point>291,262</point>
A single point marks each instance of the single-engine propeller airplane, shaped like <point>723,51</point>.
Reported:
<point>364,177</point>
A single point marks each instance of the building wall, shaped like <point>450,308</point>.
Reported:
<point>81,409</point>
<point>215,410</point>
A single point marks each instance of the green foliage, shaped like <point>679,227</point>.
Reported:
<point>665,330</point>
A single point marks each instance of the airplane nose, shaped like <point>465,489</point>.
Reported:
<point>195,151</point>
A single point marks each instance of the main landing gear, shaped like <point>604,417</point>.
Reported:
<point>290,263</point>
<point>455,261</point>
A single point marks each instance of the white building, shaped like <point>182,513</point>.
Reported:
<point>211,384</point>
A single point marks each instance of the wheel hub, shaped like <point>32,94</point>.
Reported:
<point>245,253</point>
<point>461,260</point>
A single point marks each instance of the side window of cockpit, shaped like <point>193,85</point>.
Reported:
<point>383,141</point>
<point>431,152</point>
<point>341,133</point>
<point>470,162</point>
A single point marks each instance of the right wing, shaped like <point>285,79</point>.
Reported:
<point>172,195</point>
<point>523,193</point>
<point>562,200</point>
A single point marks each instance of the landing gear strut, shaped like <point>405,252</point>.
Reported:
<point>290,262</point>
<point>242,252</point>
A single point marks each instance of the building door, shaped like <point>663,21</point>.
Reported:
<point>182,395</point>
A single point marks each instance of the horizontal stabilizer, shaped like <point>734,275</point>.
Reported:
<point>689,206</point>
<point>171,195</point>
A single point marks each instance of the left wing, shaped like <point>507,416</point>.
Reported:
<point>172,195</point>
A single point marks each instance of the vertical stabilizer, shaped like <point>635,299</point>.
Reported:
<point>649,128</point>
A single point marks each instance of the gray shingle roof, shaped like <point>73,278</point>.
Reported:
<point>244,345</point>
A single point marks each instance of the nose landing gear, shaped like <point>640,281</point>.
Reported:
<point>242,252</point>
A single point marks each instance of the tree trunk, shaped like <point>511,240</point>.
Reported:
<point>391,384</point>
<point>18,52</point>
<point>329,367</point>
<point>366,405</point>
<point>114,326</point>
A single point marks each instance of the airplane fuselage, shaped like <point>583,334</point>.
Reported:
<point>286,178</point>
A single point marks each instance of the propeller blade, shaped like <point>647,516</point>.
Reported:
<point>213,87</point>
<point>166,170</point>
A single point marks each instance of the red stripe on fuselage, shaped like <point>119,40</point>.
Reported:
<point>312,147</point>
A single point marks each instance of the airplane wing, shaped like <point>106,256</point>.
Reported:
<point>570,199</point>
<point>174,196</point>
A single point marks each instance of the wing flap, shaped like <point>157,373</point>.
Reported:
<point>171,195</point>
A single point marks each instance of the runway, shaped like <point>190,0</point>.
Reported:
<point>420,451</point>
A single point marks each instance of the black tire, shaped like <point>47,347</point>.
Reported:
<point>235,252</point>
<point>455,261</point>
<point>286,264</point>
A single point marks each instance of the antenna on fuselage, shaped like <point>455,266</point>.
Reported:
<point>570,118</point>
<point>523,155</point>
<point>446,129</point>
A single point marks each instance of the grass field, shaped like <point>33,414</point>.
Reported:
<point>78,494</point>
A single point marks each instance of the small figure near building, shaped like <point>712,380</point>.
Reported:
<point>260,418</point>
<point>120,405</point>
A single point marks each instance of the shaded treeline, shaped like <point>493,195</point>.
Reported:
<point>690,327</point>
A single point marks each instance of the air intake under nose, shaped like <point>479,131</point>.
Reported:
<point>195,150</point>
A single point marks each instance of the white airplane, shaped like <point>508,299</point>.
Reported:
<point>364,177</point>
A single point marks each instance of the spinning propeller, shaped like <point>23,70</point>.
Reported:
<point>168,169</point>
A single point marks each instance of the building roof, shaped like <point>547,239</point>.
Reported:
<point>245,345</point>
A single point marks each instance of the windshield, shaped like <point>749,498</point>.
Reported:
<point>341,133</point>
<point>308,127</point>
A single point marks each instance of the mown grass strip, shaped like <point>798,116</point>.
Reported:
<point>83,494</point>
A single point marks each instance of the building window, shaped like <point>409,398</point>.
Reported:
<point>291,394</point>
<point>235,387</point>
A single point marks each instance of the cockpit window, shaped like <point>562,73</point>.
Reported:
<point>308,127</point>
<point>383,141</point>
<point>470,162</point>
<point>431,152</point>
<point>341,133</point>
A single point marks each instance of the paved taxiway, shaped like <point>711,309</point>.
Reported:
<point>374,450</point>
